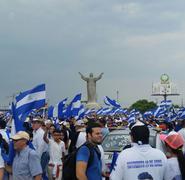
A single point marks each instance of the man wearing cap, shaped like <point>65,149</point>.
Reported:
<point>140,158</point>
<point>80,129</point>
<point>38,142</point>
<point>26,164</point>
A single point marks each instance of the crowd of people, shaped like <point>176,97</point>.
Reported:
<point>41,149</point>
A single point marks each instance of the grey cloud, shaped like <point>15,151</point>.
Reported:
<point>132,42</point>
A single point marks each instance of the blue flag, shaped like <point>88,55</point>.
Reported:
<point>111,102</point>
<point>31,99</point>
<point>74,107</point>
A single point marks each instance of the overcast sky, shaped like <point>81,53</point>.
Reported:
<point>132,42</point>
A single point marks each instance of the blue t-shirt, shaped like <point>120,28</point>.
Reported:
<point>94,171</point>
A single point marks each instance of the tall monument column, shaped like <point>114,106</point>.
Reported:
<point>91,90</point>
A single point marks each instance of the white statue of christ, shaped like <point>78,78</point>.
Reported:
<point>91,86</point>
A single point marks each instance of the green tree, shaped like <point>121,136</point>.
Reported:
<point>176,106</point>
<point>143,105</point>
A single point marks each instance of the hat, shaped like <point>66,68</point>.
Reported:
<point>85,120</point>
<point>140,133</point>
<point>162,136</point>
<point>37,120</point>
<point>48,121</point>
<point>79,123</point>
<point>174,140</point>
<point>137,123</point>
<point>21,135</point>
<point>65,123</point>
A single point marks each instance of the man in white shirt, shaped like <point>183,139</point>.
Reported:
<point>38,142</point>
<point>80,128</point>
<point>141,160</point>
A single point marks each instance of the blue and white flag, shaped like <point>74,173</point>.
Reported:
<point>58,110</point>
<point>131,119</point>
<point>171,117</point>
<point>110,102</point>
<point>160,111</point>
<point>148,114</point>
<point>133,116</point>
<point>106,101</point>
<point>167,103</point>
<point>74,106</point>
<point>114,111</point>
<point>31,99</point>
<point>81,112</point>
<point>50,111</point>
<point>61,106</point>
<point>99,111</point>
<point>181,113</point>
<point>163,108</point>
<point>106,111</point>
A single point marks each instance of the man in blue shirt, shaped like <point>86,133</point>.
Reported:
<point>94,170</point>
<point>26,164</point>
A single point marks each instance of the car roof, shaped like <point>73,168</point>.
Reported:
<point>120,131</point>
<point>127,131</point>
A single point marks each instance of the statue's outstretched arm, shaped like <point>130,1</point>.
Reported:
<point>83,77</point>
<point>99,77</point>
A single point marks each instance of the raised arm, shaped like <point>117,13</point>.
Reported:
<point>99,77</point>
<point>83,77</point>
<point>45,136</point>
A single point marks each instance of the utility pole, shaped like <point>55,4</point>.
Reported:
<point>182,103</point>
<point>117,96</point>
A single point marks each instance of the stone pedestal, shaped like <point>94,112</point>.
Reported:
<point>93,105</point>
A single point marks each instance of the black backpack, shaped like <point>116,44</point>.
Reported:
<point>69,165</point>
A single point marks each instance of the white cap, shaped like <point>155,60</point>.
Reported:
<point>48,122</point>
<point>79,123</point>
<point>21,135</point>
<point>37,120</point>
<point>138,123</point>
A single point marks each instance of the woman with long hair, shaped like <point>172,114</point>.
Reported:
<point>176,160</point>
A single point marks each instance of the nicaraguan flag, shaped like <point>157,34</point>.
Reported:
<point>50,111</point>
<point>111,102</point>
<point>87,111</point>
<point>171,117</point>
<point>131,119</point>
<point>81,112</point>
<point>99,111</point>
<point>106,101</point>
<point>167,103</point>
<point>106,111</point>
<point>147,115</point>
<point>31,99</point>
<point>61,106</point>
<point>181,114</point>
<point>57,111</point>
<point>74,106</point>
<point>132,116</point>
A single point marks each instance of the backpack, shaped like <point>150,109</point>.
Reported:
<point>69,165</point>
